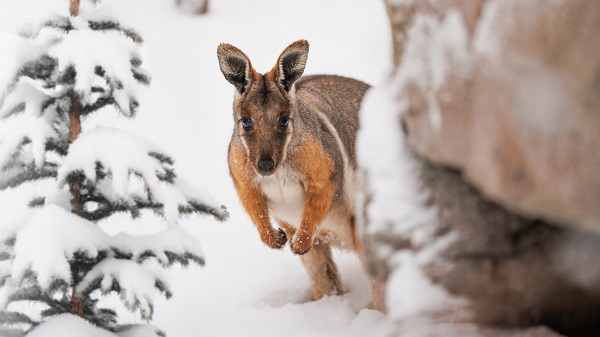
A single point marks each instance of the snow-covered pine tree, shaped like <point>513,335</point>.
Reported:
<point>56,256</point>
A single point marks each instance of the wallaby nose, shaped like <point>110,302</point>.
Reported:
<point>265,166</point>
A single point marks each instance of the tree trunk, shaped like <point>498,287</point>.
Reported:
<point>77,303</point>
<point>74,8</point>
<point>75,121</point>
<point>204,8</point>
<point>192,8</point>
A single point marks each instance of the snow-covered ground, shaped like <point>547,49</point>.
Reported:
<point>245,289</point>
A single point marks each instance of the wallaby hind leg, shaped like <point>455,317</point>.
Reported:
<point>378,291</point>
<point>319,264</point>
<point>322,270</point>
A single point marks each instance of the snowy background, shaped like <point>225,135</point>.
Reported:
<point>245,288</point>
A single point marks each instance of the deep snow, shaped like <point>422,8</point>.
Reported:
<point>245,289</point>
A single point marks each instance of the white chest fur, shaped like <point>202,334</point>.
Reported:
<point>284,194</point>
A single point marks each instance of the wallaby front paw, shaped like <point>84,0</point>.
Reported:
<point>300,245</point>
<point>274,239</point>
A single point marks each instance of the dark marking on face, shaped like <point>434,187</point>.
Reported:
<point>265,104</point>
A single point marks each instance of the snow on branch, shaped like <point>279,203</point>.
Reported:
<point>139,330</point>
<point>16,133</point>
<point>34,294</point>
<point>7,255</point>
<point>134,283</point>
<point>53,249</point>
<point>127,173</point>
<point>95,62</point>
<point>67,325</point>
<point>29,133</point>
<point>79,62</point>
<point>19,324</point>
<point>173,245</point>
<point>15,51</point>
<point>53,238</point>
<point>18,175</point>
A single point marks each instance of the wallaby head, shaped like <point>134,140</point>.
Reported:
<point>264,106</point>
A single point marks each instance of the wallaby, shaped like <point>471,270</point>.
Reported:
<point>292,156</point>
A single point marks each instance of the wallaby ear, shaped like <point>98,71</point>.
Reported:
<point>291,63</point>
<point>235,66</point>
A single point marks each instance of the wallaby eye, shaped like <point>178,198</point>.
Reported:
<point>247,123</point>
<point>283,122</point>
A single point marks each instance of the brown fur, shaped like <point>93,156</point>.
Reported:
<point>301,174</point>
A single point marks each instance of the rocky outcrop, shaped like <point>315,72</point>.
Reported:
<point>514,271</point>
<point>509,94</point>
<point>496,109</point>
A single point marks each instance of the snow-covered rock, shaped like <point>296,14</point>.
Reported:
<point>501,94</point>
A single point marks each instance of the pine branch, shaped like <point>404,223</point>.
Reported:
<point>15,149</point>
<point>30,290</point>
<point>107,25</point>
<point>60,147</point>
<point>15,110</point>
<point>37,202</point>
<point>106,208</point>
<point>98,104</point>
<point>184,259</point>
<point>103,318</point>
<point>132,305</point>
<point>81,264</point>
<point>58,286</point>
<point>40,69</point>
<point>32,293</point>
<point>140,75</point>
<point>169,174</point>
<point>139,330</point>
<point>220,213</point>
<point>59,307</point>
<point>59,22</point>
<point>12,332</point>
<point>20,108</point>
<point>134,104</point>
<point>172,258</point>
<point>11,317</point>
<point>96,284</point>
<point>10,242</point>
<point>68,77</point>
<point>163,289</point>
<point>4,280</point>
<point>5,256</point>
<point>26,174</point>
<point>162,158</point>
<point>114,84</point>
<point>47,313</point>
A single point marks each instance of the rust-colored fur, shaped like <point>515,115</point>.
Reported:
<point>252,198</point>
<point>317,168</point>
<point>292,157</point>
